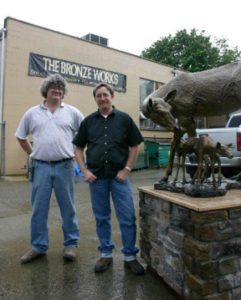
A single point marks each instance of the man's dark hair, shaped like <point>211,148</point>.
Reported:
<point>103,84</point>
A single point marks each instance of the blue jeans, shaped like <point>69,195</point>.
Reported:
<point>60,177</point>
<point>121,193</point>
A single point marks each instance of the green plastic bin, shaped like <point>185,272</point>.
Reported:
<point>158,152</point>
<point>164,151</point>
<point>142,161</point>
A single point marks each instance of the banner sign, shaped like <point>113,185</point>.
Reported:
<point>42,66</point>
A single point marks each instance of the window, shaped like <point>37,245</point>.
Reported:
<point>199,122</point>
<point>235,121</point>
<point>146,88</point>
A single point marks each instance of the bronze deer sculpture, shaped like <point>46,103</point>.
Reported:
<point>189,95</point>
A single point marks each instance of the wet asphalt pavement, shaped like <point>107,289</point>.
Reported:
<point>50,277</point>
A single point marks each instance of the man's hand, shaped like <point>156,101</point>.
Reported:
<point>122,175</point>
<point>89,176</point>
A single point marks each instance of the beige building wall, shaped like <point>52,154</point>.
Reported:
<point>21,91</point>
<point>213,122</point>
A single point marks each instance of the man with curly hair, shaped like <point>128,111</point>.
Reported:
<point>53,125</point>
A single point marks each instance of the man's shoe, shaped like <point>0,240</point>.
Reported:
<point>103,264</point>
<point>70,253</point>
<point>30,256</point>
<point>135,267</point>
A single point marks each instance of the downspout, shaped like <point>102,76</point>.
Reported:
<point>2,32</point>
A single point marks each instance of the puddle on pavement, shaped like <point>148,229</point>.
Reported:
<point>50,277</point>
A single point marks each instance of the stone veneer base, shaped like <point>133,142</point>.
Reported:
<point>194,244</point>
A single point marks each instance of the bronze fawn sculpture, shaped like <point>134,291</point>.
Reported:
<point>206,146</point>
<point>202,147</point>
<point>182,148</point>
<point>189,95</point>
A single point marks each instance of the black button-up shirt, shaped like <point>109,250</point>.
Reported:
<point>108,141</point>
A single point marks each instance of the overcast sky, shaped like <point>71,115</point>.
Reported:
<point>130,25</point>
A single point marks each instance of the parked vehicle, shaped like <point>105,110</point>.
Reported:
<point>231,133</point>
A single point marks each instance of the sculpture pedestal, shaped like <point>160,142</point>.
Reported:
<point>194,244</point>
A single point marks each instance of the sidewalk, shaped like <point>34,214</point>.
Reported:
<point>52,278</point>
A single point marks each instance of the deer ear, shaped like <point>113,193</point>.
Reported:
<point>218,145</point>
<point>170,96</point>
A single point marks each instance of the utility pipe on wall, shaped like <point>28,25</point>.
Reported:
<point>2,32</point>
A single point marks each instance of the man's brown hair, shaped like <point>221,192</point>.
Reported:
<point>103,84</point>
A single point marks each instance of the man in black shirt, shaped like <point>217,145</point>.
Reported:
<point>112,141</point>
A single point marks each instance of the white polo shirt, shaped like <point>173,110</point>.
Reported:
<point>52,132</point>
